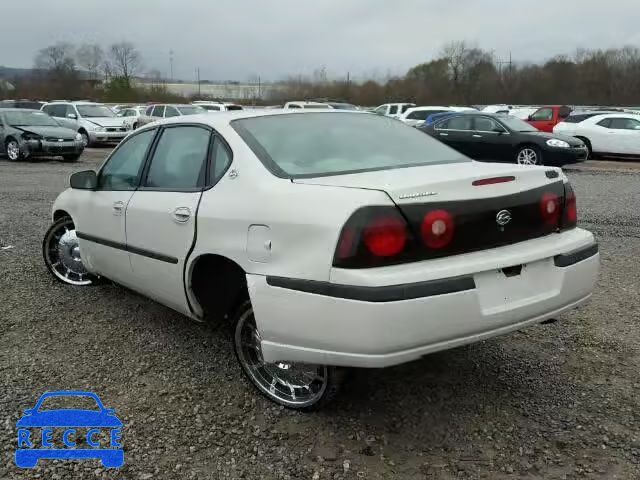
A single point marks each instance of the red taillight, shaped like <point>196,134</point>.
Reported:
<point>550,208</point>
<point>437,229</point>
<point>570,218</point>
<point>346,243</point>
<point>385,237</point>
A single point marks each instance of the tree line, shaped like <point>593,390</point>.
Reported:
<point>463,74</point>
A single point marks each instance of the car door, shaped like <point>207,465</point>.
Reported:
<point>542,119</point>
<point>457,132</point>
<point>602,137</point>
<point>626,133</point>
<point>492,141</point>
<point>161,216</point>
<point>100,217</point>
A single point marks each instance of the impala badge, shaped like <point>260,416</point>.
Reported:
<point>417,195</point>
<point>502,218</point>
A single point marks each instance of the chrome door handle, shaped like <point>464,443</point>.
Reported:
<point>118,207</point>
<point>444,134</point>
<point>181,214</point>
<point>477,136</point>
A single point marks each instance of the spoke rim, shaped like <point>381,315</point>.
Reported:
<point>62,254</point>
<point>527,156</point>
<point>291,384</point>
<point>13,150</point>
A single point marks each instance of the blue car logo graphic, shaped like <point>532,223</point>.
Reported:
<point>28,452</point>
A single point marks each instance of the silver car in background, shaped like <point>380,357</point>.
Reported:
<point>159,111</point>
<point>95,122</point>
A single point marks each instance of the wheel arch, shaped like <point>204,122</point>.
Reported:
<point>217,284</point>
<point>60,213</point>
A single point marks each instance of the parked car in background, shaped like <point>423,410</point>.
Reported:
<point>327,240</point>
<point>616,134</point>
<point>218,106</point>
<point>118,108</point>
<point>306,106</point>
<point>29,104</point>
<point>547,117</point>
<point>32,133</point>
<point>342,106</point>
<point>393,109</point>
<point>157,112</point>
<point>503,138</point>
<point>131,115</point>
<point>95,122</point>
<point>416,115</point>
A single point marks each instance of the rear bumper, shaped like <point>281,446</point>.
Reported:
<point>382,325</point>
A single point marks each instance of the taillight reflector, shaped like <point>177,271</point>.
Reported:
<point>385,237</point>
<point>437,229</point>
<point>492,181</point>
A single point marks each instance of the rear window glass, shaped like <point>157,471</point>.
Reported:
<point>290,146</point>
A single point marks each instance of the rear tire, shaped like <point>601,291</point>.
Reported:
<point>294,385</point>
<point>86,141</point>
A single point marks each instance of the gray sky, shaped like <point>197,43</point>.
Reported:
<point>234,39</point>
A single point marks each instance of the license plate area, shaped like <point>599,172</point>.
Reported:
<point>512,287</point>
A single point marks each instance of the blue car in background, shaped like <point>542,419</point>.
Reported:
<point>67,418</point>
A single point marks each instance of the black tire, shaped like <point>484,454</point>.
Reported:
<point>10,147</point>
<point>86,141</point>
<point>135,126</point>
<point>71,158</point>
<point>532,152</point>
<point>589,147</point>
<point>332,376</point>
<point>62,257</point>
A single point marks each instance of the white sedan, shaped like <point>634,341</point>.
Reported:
<point>328,239</point>
<point>609,134</point>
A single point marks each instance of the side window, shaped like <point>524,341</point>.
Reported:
<point>221,159</point>
<point>293,105</point>
<point>158,111</point>
<point>122,170</point>
<point>624,124</point>
<point>382,110</point>
<point>179,161</point>
<point>605,123</point>
<point>544,114</point>
<point>148,111</point>
<point>405,108</point>
<point>485,124</point>
<point>48,109</point>
<point>460,122</point>
<point>69,110</point>
<point>171,112</point>
<point>393,110</point>
<point>58,111</point>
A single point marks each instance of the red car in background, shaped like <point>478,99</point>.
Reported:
<point>547,117</point>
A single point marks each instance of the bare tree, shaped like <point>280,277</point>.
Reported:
<point>125,60</point>
<point>56,58</point>
<point>91,58</point>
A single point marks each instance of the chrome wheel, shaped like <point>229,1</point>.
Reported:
<point>528,156</point>
<point>62,254</point>
<point>13,150</point>
<point>294,385</point>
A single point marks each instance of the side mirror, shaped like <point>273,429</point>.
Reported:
<point>85,180</point>
<point>72,115</point>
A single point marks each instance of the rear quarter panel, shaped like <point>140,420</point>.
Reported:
<point>304,221</point>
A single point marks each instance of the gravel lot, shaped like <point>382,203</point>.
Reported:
<point>553,402</point>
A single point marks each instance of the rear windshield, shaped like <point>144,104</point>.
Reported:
<point>423,114</point>
<point>321,144</point>
<point>316,106</point>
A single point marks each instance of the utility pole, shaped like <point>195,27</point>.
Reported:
<point>171,63</point>
<point>198,77</point>
<point>259,87</point>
